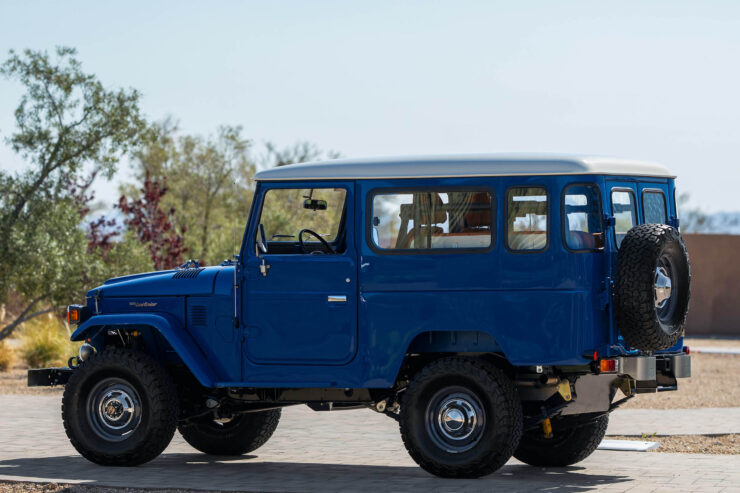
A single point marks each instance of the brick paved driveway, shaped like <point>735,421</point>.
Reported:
<point>338,451</point>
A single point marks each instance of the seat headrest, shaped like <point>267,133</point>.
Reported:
<point>479,210</point>
<point>440,215</point>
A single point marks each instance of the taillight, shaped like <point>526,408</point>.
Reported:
<point>608,366</point>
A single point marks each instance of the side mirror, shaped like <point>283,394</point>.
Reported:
<point>261,240</point>
<point>314,204</point>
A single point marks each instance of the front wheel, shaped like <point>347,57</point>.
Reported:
<point>240,434</point>
<point>572,441</point>
<point>460,418</point>
<point>120,408</point>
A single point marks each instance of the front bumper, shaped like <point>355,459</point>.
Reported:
<point>48,377</point>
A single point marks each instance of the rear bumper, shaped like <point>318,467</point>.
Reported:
<point>655,373</point>
<point>48,377</point>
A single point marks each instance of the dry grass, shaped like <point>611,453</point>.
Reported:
<point>45,342</point>
<point>6,356</point>
<point>693,444</point>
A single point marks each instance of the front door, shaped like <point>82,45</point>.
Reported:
<point>301,293</point>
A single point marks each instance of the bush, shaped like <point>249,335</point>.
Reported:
<point>45,342</point>
<point>6,356</point>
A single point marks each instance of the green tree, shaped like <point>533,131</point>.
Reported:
<point>208,184</point>
<point>68,125</point>
<point>300,152</point>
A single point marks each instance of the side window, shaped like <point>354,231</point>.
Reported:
<point>625,213</point>
<point>653,207</point>
<point>432,220</point>
<point>286,211</point>
<point>582,221</point>
<point>526,223</point>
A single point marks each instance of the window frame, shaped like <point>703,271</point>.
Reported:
<point>341,232</point>
<point>562,218</point>
<point>665,204</point>
<point>372,193</point>
<point>611,204</point>
<point>548,213</point>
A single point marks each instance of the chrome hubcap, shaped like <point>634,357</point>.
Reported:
<point>113,409</point>
<point>116,409</point>
<point>455,420</point>
<point>662,287</point>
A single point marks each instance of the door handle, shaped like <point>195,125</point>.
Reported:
<point>337,298</point>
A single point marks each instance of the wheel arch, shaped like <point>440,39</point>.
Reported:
<point>428,346</point>
<point>167,327</point>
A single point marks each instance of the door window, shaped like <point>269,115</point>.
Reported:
<point>582,221</point>
<point>526,219</point>
<point>653,207</point>
<point>432,220</point>
<point>286,211</point>
<point>625,213</point>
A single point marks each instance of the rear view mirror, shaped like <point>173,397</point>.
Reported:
<point>261,240</point>
<point>314,204</point>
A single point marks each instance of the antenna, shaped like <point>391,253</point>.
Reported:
<point>235,259</point>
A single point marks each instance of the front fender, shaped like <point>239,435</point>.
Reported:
<point>172,331</point>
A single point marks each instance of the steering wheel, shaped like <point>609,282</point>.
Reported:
<point>326,245</point>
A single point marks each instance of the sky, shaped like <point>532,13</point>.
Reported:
<point>652,80</point>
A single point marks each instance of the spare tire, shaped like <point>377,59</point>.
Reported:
<point>652,287</point>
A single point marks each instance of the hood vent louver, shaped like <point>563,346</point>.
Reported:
<point>187,273</point>
<point>198,316</point>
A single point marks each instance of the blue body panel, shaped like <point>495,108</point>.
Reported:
<point>548,307</point>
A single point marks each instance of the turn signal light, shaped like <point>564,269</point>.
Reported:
<point>76,314</point>
<point>608,365</point>
<point>73,315</point>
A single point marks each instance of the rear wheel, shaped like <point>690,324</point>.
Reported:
<point>571,442</point>
<point>120,408</point>
<point>460,417</point>
<point>240,434</point>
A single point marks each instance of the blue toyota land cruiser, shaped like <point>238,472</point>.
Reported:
<point>492,305</point>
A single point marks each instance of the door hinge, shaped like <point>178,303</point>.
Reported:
<point>606,294</point>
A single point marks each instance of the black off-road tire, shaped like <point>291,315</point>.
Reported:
<point>493,393</point>
<point>243,434</point>
<point>140,375</point>
<point>644,250</point>
<point>571,442</point>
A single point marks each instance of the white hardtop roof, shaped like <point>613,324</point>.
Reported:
<point>462,165</point>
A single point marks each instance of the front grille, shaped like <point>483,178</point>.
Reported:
<point>187,273</point>
<point>198,316</point>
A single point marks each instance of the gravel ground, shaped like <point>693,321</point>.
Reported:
<point>27,487</point>
<point>713,383</point>
<point>692,444</point>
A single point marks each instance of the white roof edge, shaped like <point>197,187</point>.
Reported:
<point>465,165</point>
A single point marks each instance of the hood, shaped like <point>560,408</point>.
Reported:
<point>179,282</point>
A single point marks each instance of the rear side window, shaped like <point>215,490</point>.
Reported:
<point>625,213</point>
<point>526,219</point>
<point>582,222</point>
<point>432,220</point>
<point>653,207</point>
